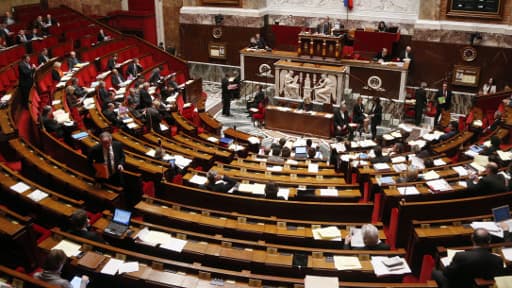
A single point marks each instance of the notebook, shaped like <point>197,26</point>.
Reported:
<point>301,152</point>
<point>119,223</point>
<point>501,213</point>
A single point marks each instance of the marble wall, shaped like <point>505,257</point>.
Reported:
<point>89,7</point>
<point>7,5</point>
<point>171,17</point>
<point>210,72</point>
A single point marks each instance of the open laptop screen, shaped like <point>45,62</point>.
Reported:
<point>122,216</point>
<point>301,150</point>
<point>501,213</point>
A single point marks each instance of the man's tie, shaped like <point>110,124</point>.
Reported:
<point>109,164</point>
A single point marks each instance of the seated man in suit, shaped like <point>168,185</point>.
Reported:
<point>379,158</point>
<point>271,190</point>
<point>50,124</point>
<point>478,262</point>
<point>341,121</point>
<point>370,238</point>
<point>134,69</point>
<point>111,154</point>
<point>43,57</point>
<point>112,62</point>
<point>111,115</point>
<point>452,131</point>
<point>495,146</point>
<point>491,183</point>
<point>155,76</point>
<point>72,60</point>
<point>219,183</point>
<point>79,225</point>
<point>116,78</point>
<point>52,268</point>
<point>383,56</point>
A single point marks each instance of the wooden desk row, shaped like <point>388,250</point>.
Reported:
<point>160,272</point>
<point>262,166</point>
<point>266,259</point>
<point>453,143</point>
<point>345,193</point>
<point>240,226</point>
<point>51,172</point>
<point>298,210</point>
<point>299,163</point>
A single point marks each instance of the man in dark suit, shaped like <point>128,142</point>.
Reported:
<point>341,121</point>
<point>112,62</point>
<point>155,76</point>
<point>371,239</point>
<point>145,98</point>
<point>260,42</point>
<point>116,78</point>
<point>478,262</point>
<point>443,100</point>
<point>323,27</point>
<point>226,96</point>
<point>491,183</point>
<point>72,60</point>
<point>43,57</point>
<point>421,103</point>
<point>50,124</point>
<point>26,78</point>
<point>104,95</point>
<point>111,154</point>
<point>134,69</point>
<point>376,116</point>
<point>452,131</point>
<point>383,56</point>
<point>79,225</point>
<point>102,36</point>
<point>219,183</point>
<point>111,115</point>
<point>407,55</point>
<point>379,158</point>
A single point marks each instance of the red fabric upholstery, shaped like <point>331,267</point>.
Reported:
<point>42,232</point>
<point>178,179</point>
<point>393,228</point>
<point>148,188</point>
<point>376,207</point>
<point>427,266</point>
<point>93,217</point>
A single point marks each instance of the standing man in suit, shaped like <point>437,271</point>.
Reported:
<point>219,183</point>
<point>145,98</point>
<point>478,262</point>
<point>421,103</point>
<point>26,78</point>
<point>443,101</point>
<point>134,69</point>
<point>111,154</point>
<point>226,96</point>
<point>376,116</point>
<point>491,183</point>
<point>323,27</point>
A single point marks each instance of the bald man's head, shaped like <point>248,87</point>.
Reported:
<point>481,237</point>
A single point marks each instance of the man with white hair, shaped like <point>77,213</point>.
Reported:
<point>371,239</point>
<point>219,183</point>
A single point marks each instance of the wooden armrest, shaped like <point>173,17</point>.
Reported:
<point>480,282</point>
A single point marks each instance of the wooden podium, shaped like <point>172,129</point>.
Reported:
<point>320,45</point>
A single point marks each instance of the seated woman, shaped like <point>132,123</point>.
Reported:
<point>381,27</point>
<point>358,115</point>
<point>52,268</point>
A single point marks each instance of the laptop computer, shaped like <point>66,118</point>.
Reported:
<point>119,223</point>
<point>301,152</point>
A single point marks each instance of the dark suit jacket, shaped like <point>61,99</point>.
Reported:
<point>111,64</point>
<point>145,99</point>
<point>358,114</point>
<point>116,80</point>
<point>55,75</point>
<point>52,126</point>
<point>26,75</point>
<point>72,62</point>
<point>402,56</point>
<point>222,187</point>
<point>381,159</point>
<point>386,58</point>
<point>476,263</point>
<point>421,99</point>
<point>134,69</point>
<point>96,155</point>
<point>377,115</point>
<point>491,183</point>
<point>41,59</point>
<point>111,116</point>
<point>100,37</point>
<point>104,96</point>
<point>448,135</point>
<point>155,77</point>
<point>324,28</point>
<point>341,121</point>
<point>225,91</point>
<point>448,100</point>
<point>380,246</point>
<point>90,235</point>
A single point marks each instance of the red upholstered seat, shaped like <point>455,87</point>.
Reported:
<point>376,207</point>
<point>42,233</point>
<point>428,264</point>
<point>93,217</point>
<point>148,188</point>
<point>393,228</point>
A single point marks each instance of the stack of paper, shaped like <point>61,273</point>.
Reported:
<point>20,187</point>
<point>439,162</point>
<point>396,134</point>
<point>198,180</point>
<point>439,185</point>
<point>253,140</point>
<point>505,156</point>
<point>256,188</point>
<point>388,137</point>
<point>181,161</point>
<point>356,238</point>
<point>174,244</point>
<point>381,166</point>
<point>132,125</point>
<point>329,192</point>
<point>153,237</point>
<point>420,143</point>
<point>408,190</point>
<point>69,248</point>
<point>321,281</point>
<point>114,266</point>
<point>276,168</point>
<point>347,263</point>
<point>400,167</point>
<point>329,233</point>
<point>448,259</point>
<point>60,116</point>
<point>398,159</point>
<point>460,170</point>
<point>313,168</point>
<point>37,195</point>
<point>283,192</point>
<point>387,180</point>
<point>507,253</point>
<point>291,162</point>
<point>492,227</point>
<point>213,139</point>
<point>367,143</point>
<point>381,269</point>
<point>431,175</point>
